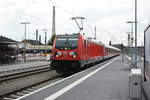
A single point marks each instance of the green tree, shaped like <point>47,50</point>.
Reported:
<point>51,41</point>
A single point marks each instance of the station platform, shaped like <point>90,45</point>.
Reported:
<point>13,66</point>
<point>106,81</point>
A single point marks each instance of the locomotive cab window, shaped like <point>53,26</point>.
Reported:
<point>67,42</point>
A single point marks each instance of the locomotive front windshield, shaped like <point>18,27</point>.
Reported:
<point>67,43</point>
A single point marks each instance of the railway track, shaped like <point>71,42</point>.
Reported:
<point>21,92</point>
<point>23,79</point>
<point>22,72</point>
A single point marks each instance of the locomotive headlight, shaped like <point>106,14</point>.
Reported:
<point>74,56</point>
<point>56,55</point>
<point>59,53</point>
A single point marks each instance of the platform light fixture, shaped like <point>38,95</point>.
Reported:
<point>25,23</point>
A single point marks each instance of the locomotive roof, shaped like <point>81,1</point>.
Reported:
<point>76,35</point>
<point>68,35</point>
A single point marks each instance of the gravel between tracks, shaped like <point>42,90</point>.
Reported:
<point>22,82</point>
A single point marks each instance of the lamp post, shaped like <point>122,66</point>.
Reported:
<point>131,22</point>
<point>134,61</point>
<point>25,23</point>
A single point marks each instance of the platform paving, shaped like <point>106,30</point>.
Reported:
<point>109,83</point>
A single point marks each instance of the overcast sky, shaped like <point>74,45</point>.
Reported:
<point>110,17</point>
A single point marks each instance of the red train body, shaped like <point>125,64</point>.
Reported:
<point>71,52</point>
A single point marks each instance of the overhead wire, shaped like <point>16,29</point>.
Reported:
<point>87,17</point>
<point>116,24</point>
<point>61,7</point>
<point>72,14</point>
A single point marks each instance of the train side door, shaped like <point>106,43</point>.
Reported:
<point>85,49</point>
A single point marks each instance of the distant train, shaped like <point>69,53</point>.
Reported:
<point>7,53</point>
<point>34,52</point>
<point>71,52</point>
<point>36,49</point>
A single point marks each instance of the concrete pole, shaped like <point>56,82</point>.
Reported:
<point>40,38</point>
<point>95,32</point>
<point>45,31</point>
<point>53,22</point>
<point>36,34</point>
<point>45,37</point>
<point>135,34</point>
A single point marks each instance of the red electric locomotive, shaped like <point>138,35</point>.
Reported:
<point>73,51</point>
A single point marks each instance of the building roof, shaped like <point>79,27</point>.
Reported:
<point>32,42</point>
<point>6,40</point>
